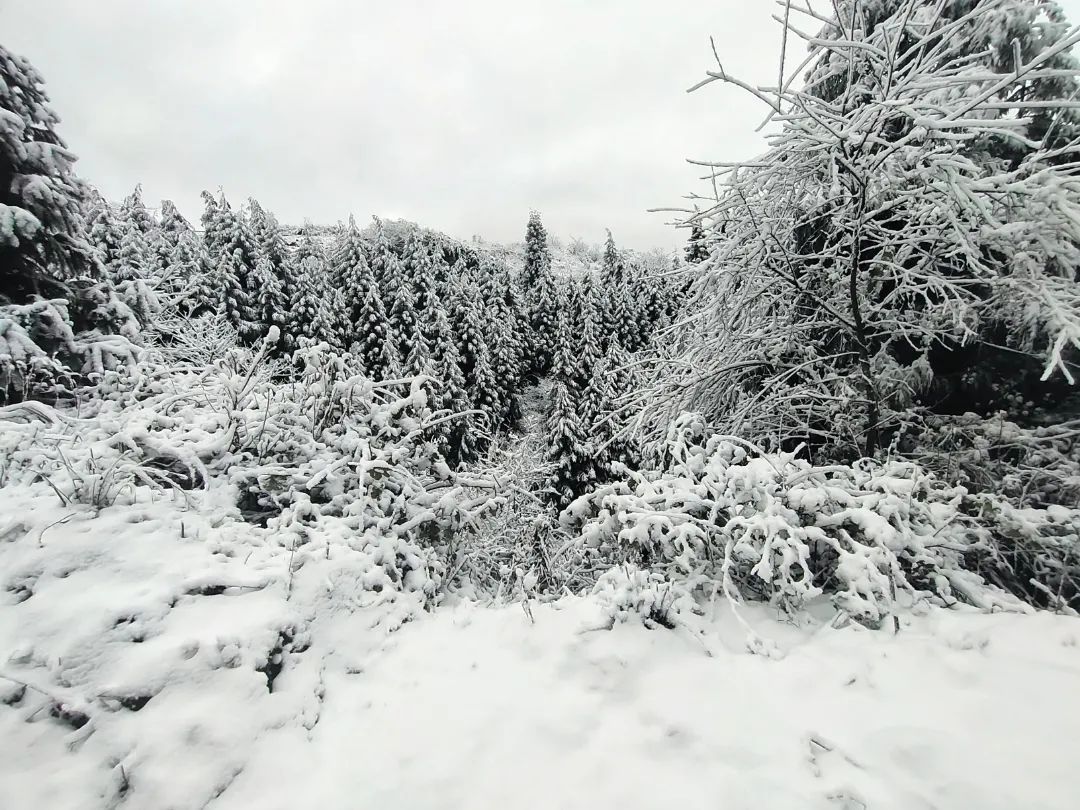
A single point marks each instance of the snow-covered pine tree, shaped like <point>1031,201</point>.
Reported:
<point>626,316</point>
<point>233,238</point>
<point>588,333</point>
<point>269,246</point>
<point>172,228</point>
<point>696,246</point>
<point>42,238</point>
<point>357,282</point>
<point>189,265</point>
<point>404,324</point>
<point>269,301</point>
<point>382,258</point>
<point>44,253</point>
<point>450,394</point>
<point>104,232</point>
<point>308,246</point>
<point>466,318</point>
<point>573,471</point>
<point>136,214</point>
<point>621,386</point>
<point>311,309</point>
<point>134,261</point>
<point>173,224</point>
<point>237,304</point>
<point>211,228</point>
<point>420,270</point>
<point>540,294</point>
<point>484,392</point>
<point>348,263</point>
<point>537,253</point>
<point>566,369</point>
<point>505,361</point>
<point>373,343</point>
<point>596,409</point>
<point>612,267</point>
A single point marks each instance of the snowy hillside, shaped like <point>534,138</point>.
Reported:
<point>366,516</point>
<point>158,658</point>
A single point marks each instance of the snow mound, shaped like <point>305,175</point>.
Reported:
<point>154,658</point>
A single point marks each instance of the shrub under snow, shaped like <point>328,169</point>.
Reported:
<point>725,518</point>
<point>325,459</point>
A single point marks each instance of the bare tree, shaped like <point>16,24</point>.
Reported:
<point>919,200</point>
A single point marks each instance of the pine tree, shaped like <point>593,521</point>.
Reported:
<point>696,250</point>
<point>596,409</point>
<point>189,266</point>
<point>565,369</point>
<point>612,270</point>
<point>105,232</point>
<point>348,264</point>
<point>311,309</point>
<point>505,361</point>
<point>543,324</point>
<point>381,257</point>
<point>236,302</point>
<point>134,261</point>
<point>537,253</point>
<point>266,235</point>
<point>573,469</point>
<point>373,342</point>
<point>269,302</point>
<point>42,238</point>
<point>211,225</point>
<point>166,236</point>
<point>450,392</point>
<point>404,325</point>
<point>484,393</point>
<point>232,238</point>
<point>621,384</point>
<point>588,331</point>
<point>541,295</point>
<point>467,321</point>
<point>135,213</point>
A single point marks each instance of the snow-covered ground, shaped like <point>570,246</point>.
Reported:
<point>143,635</point>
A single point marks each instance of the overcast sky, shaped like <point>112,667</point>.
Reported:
<point>458,114</point>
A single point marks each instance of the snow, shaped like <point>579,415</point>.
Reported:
<point>157,623</point>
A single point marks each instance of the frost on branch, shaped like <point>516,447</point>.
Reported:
<point>909,240</point>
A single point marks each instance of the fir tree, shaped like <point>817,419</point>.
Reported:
<point>566,369</point>
<point>450,390</point>
<point>696,250</point>
<point>468,323</point>
<point>588,332</point>
<point>170,230</point>
<point>266,235</point>
<point>270,303</point>
<point>311,313</point>
<point>236,303</point>
<point>484,395</point>
<point>612,269</point>
<point>133,261</point>
<point>404,325</point>
<point>190,269</point>
<point>135,213</point>
<point>348,264</point>
<point>573,471</point>
<point>537,253</point>
<point>211,225</point>
<point>42,238</point>
<point>373,342</point>
<point>105,232</point>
